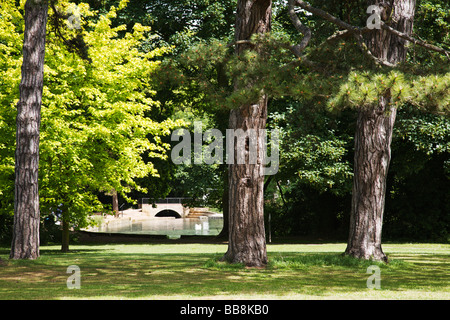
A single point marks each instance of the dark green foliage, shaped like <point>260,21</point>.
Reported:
<point>175,22</point>
<point>418,202</point>
<point>6,228</point>
<point>309,213</point>
<point>432,21</point>
<point>317,147</point>
<point>417,207</point>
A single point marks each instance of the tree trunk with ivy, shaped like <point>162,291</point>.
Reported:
<point>373,141</point>
<point>247,242</point>
<point>25,242</point>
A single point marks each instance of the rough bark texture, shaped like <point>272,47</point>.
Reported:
<point>373,144</point>
<point>247,243</point>
<point>372,156</point>
<point>25,242</point>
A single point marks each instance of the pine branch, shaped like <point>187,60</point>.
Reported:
<point>415,41</point>
<point>77,44</point>
<point>325,15</point>
<point>349,30</point>
<point>239,42</point>
<point>357,32</point>
<point>297,49</point>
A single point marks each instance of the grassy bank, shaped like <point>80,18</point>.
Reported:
<point>192,271</point>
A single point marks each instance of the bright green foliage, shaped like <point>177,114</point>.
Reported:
<point>11,39</point>
<point>94,127</point>
<point>362,90</point>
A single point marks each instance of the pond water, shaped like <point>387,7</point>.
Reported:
<point>168,226</point>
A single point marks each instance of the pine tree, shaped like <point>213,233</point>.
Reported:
<point>376,98</point>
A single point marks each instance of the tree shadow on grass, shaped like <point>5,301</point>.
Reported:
<point>107,274</point>
<point>420,271</point>
<point>185,275</point>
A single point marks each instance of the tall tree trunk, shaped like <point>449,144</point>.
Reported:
<point>247,242</point>
<point>372,155</point>
<point>373,143</point>
<point>25,242</point>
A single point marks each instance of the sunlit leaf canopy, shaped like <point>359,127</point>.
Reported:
<point>94,127</point>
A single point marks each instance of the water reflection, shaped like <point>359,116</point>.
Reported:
<point>163,226</point>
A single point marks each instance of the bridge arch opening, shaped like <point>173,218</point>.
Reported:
<point>168,213</point>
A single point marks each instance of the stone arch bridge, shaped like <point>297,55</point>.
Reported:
<point>168,207</point>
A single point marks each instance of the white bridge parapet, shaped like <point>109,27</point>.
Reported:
<point>172,204</point>
<point>173,207</point>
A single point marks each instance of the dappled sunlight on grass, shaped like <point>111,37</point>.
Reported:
<point>191,271</point>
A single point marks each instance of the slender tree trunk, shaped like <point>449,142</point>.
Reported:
<point>25,242</point>
<point>373,144</point>
<point>65,239</point>
<point>115,203</point>
<point>222,81</point>
<point>247,243</point>
<point>224,233</point>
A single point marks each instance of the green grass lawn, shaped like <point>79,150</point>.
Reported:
<point>192,271</point>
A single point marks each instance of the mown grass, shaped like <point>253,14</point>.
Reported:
<point>306,261</point>
<point>193,271</point>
